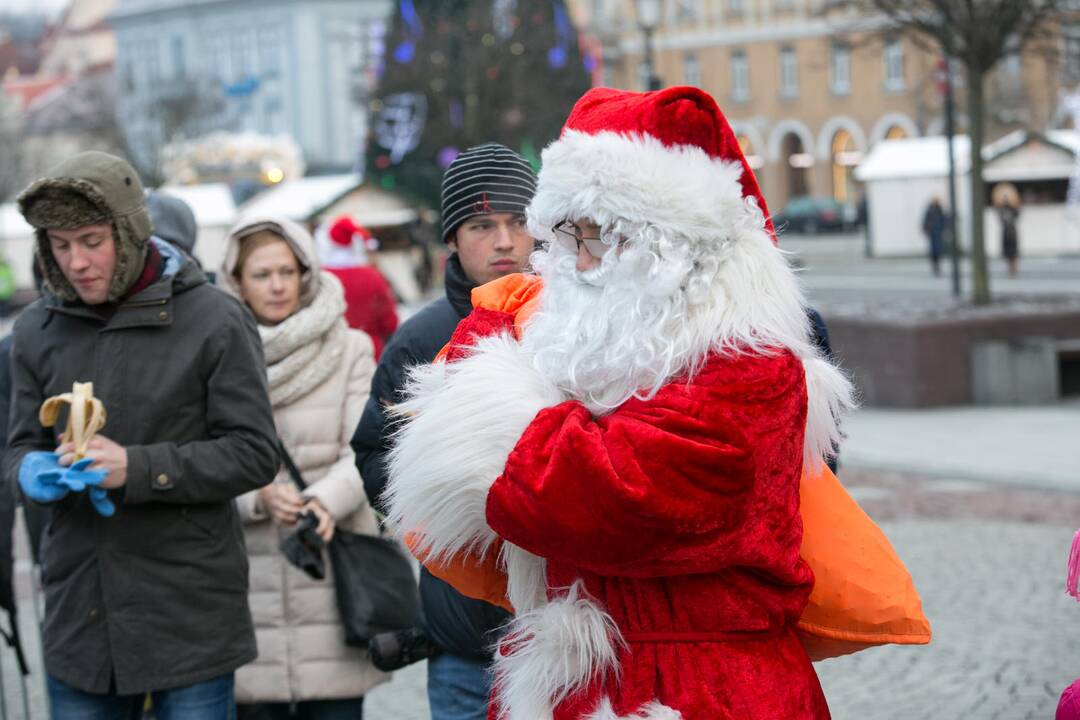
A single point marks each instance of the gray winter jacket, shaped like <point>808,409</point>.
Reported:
<point>155,596</point>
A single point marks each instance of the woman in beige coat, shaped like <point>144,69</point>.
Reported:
<point>320,374</point>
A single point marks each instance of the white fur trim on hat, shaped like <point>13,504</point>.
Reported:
<point>637,179</point>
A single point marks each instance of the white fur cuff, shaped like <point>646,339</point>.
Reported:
<point>460,422</point>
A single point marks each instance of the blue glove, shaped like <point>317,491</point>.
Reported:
<point>42,478</point>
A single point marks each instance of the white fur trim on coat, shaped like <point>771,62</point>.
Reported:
<point>459,424</point>
<point>829,395</point>
<point>551,652</point>
<point>655,710</point>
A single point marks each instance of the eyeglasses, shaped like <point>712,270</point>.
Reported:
<point>573,237</point>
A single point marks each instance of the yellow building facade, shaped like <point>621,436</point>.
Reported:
<point>808,91</point>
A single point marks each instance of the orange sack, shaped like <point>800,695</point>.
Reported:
<point>863,595</point>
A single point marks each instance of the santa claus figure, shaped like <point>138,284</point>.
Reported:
<point>634,456</point>
<point>369,303</point>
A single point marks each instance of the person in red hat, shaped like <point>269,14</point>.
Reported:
<point>634,456</point>
<point>369,302</point>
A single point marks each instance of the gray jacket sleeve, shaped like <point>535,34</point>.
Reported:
<point>240,454</point>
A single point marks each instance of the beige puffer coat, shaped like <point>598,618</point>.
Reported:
<point>302,653</point>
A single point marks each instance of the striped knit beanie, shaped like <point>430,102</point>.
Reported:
<point>485,179</point>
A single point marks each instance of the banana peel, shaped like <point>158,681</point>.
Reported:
<point>85,417</point>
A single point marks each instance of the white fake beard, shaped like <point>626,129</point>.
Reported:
<point>614,332</point>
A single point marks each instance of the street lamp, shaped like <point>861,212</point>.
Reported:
<point>648,18</point>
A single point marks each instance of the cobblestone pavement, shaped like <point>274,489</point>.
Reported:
<point>989,563</point>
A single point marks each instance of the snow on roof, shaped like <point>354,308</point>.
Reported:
<point>927,156</point>
<point>212,203</point>
<point>300,199</point>
<point>912,158</point>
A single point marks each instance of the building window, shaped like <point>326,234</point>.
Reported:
<point>1071,52</point>
<point>784,5</point>
<point>153,62</point>
<point>691,70</point>
<point>269,52</point>
<point>685,12</point>
<point>894,66</point>
<point>179,67</point>
<point>736,7</point>
<point>789,73</point>
<point>643,75</point>
<point>840,70</point>
<point>740,77</point>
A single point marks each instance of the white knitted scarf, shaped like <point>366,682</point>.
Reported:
<point>306,348</point>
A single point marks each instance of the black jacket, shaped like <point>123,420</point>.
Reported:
<point>460,625</point>
<point>155,596</point>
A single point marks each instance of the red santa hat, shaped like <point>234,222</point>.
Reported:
<point>343,232</point>
<point>344,244</point>
<point>667,158</point>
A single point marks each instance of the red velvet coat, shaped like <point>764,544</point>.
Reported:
<point>681,516</point>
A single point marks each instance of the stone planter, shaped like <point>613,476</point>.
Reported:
<point>910,355</point>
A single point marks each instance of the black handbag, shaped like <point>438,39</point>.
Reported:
<point>373,578</point>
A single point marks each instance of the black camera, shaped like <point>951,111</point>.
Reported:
<point>394,650</point>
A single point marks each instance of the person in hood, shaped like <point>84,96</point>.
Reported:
<point>484,195</point>
<point>319,372</point>
<point>369,302</point>
<point>173,220</point>
<point>152,598</point>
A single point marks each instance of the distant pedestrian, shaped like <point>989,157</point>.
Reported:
<point>174,221</point>
<point>320,377</point>
<point>145,575</point>
<point>933,225</point>
<point>369,302</point>
<point>1007,200</point>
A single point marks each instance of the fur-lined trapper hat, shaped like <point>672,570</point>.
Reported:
<point>92,188</point>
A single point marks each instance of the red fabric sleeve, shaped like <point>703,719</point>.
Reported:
<point>478,324</point>
<point>690,481</point>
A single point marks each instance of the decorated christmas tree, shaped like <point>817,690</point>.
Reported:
<point>458,74</point>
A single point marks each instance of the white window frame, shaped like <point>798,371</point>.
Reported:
<point>789,72</point>
<point>840,69</point>
<point>740,76</point>
<point>893,64</point>
<point>691,70</point>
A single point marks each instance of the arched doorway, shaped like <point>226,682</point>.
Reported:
<point>753,159</point>
<point>896,133</point>
<point>797,162</point>
<point>844,159</point>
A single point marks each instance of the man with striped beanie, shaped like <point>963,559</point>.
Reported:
<point>484,195</point>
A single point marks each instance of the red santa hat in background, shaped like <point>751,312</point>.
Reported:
<point>345,243</point>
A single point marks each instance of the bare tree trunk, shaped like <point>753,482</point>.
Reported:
<point>980,276</point>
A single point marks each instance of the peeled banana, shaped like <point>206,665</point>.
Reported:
<point>85,418</point>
